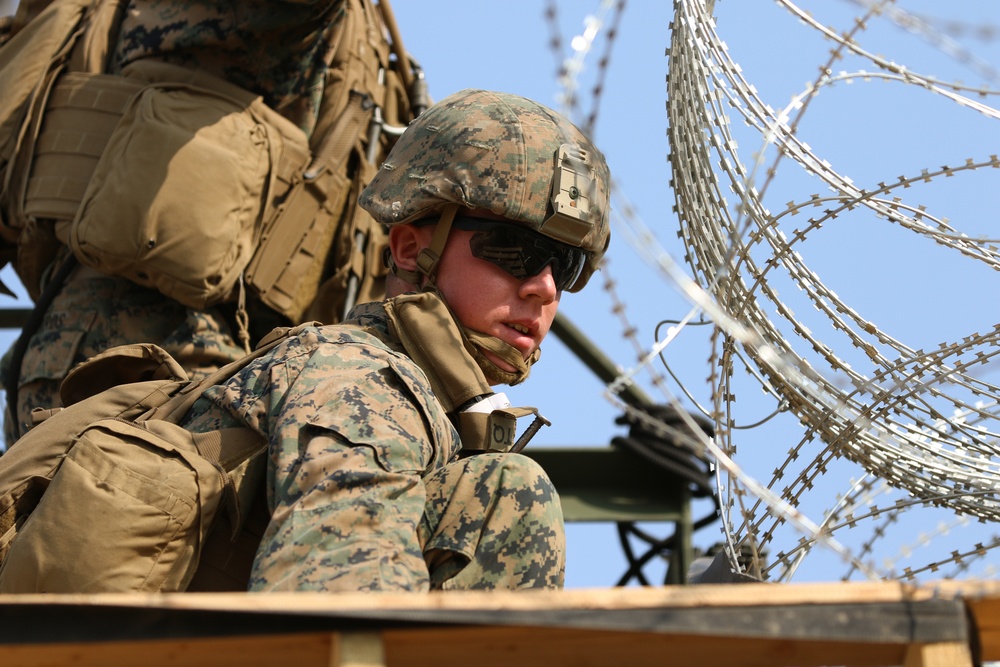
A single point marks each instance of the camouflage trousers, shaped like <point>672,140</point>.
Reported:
<point>93,313</point>
<point>491,521</point>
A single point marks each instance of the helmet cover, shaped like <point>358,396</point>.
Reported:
<point>501,153</point>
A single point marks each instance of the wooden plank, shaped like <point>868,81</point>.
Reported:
<point>352,649</point>
<point>299,650</point>
<point>879,623</point>
<point>947,654</point>
<point>983,602</point>
<point>460,647</point>
<point>359,649</point>
<point>892,620</point>
<point>986,616</point>
<point>721,595</point>
<point>553,647</point>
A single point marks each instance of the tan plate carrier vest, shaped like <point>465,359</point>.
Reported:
<point>125,170</point>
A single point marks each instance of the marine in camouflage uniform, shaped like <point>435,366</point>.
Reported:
<point>276,49</point>
<point>364,478</point>
<point>369,483</point>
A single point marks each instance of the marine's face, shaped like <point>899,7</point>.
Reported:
<point>487,299</point>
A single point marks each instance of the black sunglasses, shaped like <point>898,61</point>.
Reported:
<point>522,252</point>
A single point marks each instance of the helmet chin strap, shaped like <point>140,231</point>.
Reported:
<point>427,260</point>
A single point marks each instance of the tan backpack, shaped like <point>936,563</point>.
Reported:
<point>165,509</point>
<point>125,170</point>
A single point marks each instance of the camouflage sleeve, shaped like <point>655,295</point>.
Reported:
<point>493,521</point>
<point>353,429</point>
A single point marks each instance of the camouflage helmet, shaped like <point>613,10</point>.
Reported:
<point>505,154</point>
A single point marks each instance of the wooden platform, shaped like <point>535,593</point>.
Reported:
<point>949,624</point>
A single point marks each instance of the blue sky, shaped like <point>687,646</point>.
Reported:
<point>872,131</point>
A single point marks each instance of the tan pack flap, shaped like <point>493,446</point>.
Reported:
<point>119,365</point>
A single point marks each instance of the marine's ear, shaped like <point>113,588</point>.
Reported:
<point>406,242</point>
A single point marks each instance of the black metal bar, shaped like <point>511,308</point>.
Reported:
<point>595,359</point>
<point>13,318</point>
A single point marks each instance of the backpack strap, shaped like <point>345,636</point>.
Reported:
<point>226,449</point>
